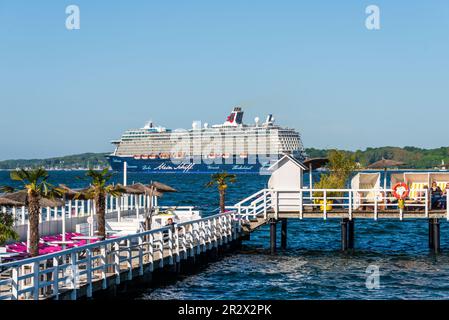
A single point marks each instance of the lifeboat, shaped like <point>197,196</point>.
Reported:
<point>137,156</point>
<point>179,155</point>
<point>211,156</point>
<point>244,155</point>
<point>226,155</point>
<point>164,156</point>
<point>152,156</point>
<point>144,156</point>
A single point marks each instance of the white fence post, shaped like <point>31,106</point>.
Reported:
<point>70,208</point>
<point>177,244</point>
<point>375,207</point>
<point>350,205</point>
<point>15,287</point>
<point>89,273</point>
<point>265,210</point>
<point>325,204</point>
<point>209,234</point>
<point>56,278</point>
<point>170,245</point>
<point>130,258</point>
<point>23,215</point>
<point>74,275</point>
<point>151,251</point>
<point>184,241</point>
<point>36,280</point>
<point>14,215</point>
<point>140,247</point>
<point>276,211</point>
<point>117,262</point>
<point>204,235</point>
<point>447,207</point>
<point>104,267</point>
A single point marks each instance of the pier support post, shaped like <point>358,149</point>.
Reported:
<point>347,234</point>
<point>273,223</point>
<point>284,234</point>
<point>350,234</point>
<point>434,235</point>
<point>430,234</point>
<point>344,234</point>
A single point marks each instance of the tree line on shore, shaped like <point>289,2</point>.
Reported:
<point>415,158</point>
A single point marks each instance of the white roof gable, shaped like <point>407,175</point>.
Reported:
<point>285,159</point>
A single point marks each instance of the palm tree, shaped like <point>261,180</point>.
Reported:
<point>98,192</point>
<point>36,187</point>
<point>221,180</point>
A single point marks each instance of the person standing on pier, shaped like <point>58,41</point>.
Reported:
<point>170,223</point>
<point>443,200</point>
<point>435,195</point>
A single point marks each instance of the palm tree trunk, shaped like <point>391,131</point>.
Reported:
<point>149,218</point>
<point>222,201</point>
<point>100,204</point>
<point>33,220</point>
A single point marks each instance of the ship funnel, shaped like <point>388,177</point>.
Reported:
<point>270,119</point>
<point>148,125</point>
<point>236,117</point>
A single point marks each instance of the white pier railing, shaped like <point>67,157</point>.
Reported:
<point>49,276</point>
<point>83,208</point>
<point>327,200</point>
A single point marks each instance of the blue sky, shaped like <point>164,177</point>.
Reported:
<point>311,63</point>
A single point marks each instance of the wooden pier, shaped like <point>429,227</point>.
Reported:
<point>103,266</point>
<point>270,206</point>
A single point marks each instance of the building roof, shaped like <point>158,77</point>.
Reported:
<point>315,163</point>
<point>288,157</point>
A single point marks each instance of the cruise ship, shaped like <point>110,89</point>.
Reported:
<point>232,147</point>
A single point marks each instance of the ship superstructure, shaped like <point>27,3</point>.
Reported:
<point>208,148</point>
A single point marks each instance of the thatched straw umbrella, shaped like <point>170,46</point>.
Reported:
<point>5,202</point>
<point>385,164</point>
<point>130,189</point>
<point>146,189</point>
<point>68,194</point>
<point>161,187</point>
<point>157,188</point>
<point>22,197</point>
<point>154,189</point>
<point>313,164</point>
<point>140,189</point>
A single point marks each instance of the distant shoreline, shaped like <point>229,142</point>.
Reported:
<point>414,158</point>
